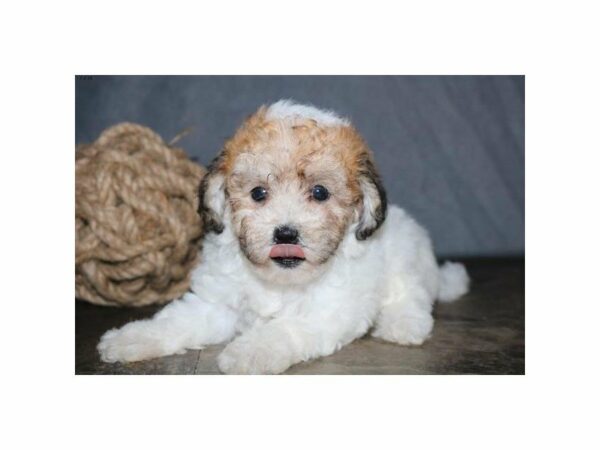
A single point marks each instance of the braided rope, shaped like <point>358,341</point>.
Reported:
<point>136,222</point>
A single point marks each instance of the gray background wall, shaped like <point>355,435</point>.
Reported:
<point>450,149</point>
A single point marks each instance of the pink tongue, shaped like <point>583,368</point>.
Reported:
<point>286,251</point>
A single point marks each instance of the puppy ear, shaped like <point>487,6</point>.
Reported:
<point>374,201</point>
<point>211,204</point>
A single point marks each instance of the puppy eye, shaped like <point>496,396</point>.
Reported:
<point>320,193</point>
<point>258,194</point>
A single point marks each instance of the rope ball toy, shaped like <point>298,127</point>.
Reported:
<point>136,221</point>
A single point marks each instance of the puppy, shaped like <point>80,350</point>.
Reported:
<point>302,254</point>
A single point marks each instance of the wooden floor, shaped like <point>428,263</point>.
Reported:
<point>482,333</point>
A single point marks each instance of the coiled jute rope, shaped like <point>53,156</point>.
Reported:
<point>136,221</point>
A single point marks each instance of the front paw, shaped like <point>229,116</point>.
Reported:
<point>254,357</point>
<point>133,342</point>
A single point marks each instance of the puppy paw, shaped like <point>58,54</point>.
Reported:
<point>248,357</point>
<point>133,342</point>
<point>404,330</point>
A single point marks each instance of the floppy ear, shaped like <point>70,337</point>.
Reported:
<point>211,204</point>
<point>374,202</point>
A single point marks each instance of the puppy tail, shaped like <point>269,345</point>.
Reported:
<point>454,282</point>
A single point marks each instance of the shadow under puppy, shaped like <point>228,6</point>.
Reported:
<point>302,255</point>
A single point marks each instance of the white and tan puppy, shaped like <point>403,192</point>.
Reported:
<point>302,255</point>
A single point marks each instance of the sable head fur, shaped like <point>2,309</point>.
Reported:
<point>288,149</point>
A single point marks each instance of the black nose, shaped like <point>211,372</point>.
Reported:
<point>285,235</point>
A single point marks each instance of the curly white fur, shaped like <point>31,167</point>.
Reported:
<point>388,282</point>
<point>288,109</point>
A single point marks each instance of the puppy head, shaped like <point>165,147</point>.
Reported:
<point>295,179</point>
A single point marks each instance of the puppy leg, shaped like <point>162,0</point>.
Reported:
<point>273,347</point>
<point>188,323</point>
<point>406,319</point>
